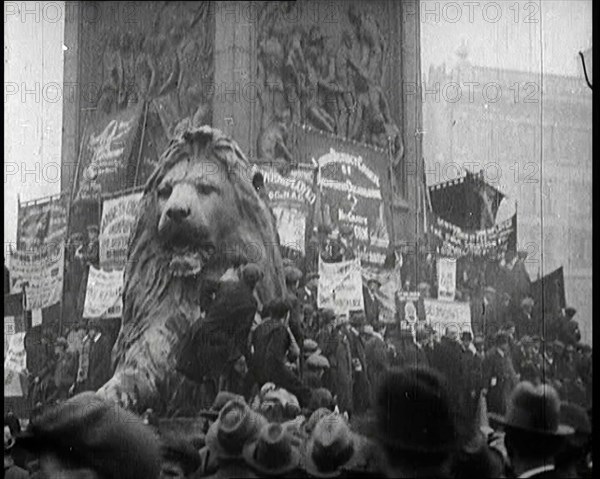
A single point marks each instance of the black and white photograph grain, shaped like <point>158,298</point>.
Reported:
<point>300,239</point>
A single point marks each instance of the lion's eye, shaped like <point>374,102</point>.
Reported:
<point>165,191</point>
<point>206,189</point>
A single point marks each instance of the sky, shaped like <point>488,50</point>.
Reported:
<point>497,34</point>
<point>33,62</point>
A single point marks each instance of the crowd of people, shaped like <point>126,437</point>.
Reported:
<point>300,390</point>
<point>412,432</point>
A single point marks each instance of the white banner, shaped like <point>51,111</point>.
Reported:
<point>291,226</point>
<point>41,272</point>
<point>442,314</point>
<point>340,286</point>
<point>446,273</point>
<point>15,363</point>
<point>103,294</point>
<point>15,355</point>
<point>118,219</point>
<point>9,331</point>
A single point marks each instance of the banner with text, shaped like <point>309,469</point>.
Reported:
<point>42,274</point>
<point>15,363</point>
<point>107,164</point>
<point>292,199</point>
<point>354,191</point>
<point>340,286</point>
<point>446,272</point>
<point>442,314</point>
<point>454,242</point>
<point>118,219</point>
<point>103,294</point>
<point>43,222</point>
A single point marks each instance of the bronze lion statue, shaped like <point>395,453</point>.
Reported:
<point>198,214</point>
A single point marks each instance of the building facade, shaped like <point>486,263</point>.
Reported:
<point>532,137</point>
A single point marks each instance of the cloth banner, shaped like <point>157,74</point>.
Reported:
<point>292,199</point>
<point>15,363</point>
<point>454,242</point>
<point>409,307</point>
<point>103,294</point>
<point>340,286</point>
<point>441,314</point>
<point>548,292</point>
<point>353,191</point>
<point>107,164</point>
<point>42,274</point>
<point>42,223</point>
<point>446,272</point>
<point>10,329</point>
<point>118,219</point>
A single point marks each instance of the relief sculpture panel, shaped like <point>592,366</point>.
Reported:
<point>333,74</point>
<point>162,52</point>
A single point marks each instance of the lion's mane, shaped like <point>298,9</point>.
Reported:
<point>158,307</point>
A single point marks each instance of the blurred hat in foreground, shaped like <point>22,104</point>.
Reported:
<point>273,452</point>
<point>98,434</point>
<point>534,409</point>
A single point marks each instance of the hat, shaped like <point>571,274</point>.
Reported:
<point>252,273</point>
<point>527,302</point>
<point>534,409</point>
<point>62,342</point>
<point>99,433</point>
<point>182,452</point>
<point>522,254</point>
<point>536,339</point>
<point>423,286</point>
<point>316,361</point>
<point>314,419</point>
<point>328,315</point>
<point>423,418</point>
<point>374,280</point>
<point>223,397</point>
<point>272,453</point>
<point>283,397</point>
<point>489,289</point>
<point>478,340</point>
<point>558,344</point>
<point>331,446</point>
<point>321,398</point>
<point>236,425</point>
<point>292,274</point>
<point>575,416</point>
<point>570,311</point>
<point>310,346</point>
<point>93,228</point>
<point>358,318</point>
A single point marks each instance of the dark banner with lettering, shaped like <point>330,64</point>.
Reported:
<point>353,191</point>
<point>454,242</point>
<point>42,222</point>
<point>109,154</point>
<point>292,199</point>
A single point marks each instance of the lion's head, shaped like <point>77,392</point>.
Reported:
<point>199,214</point>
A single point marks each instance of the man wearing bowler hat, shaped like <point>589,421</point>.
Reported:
<point>534,434</point>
